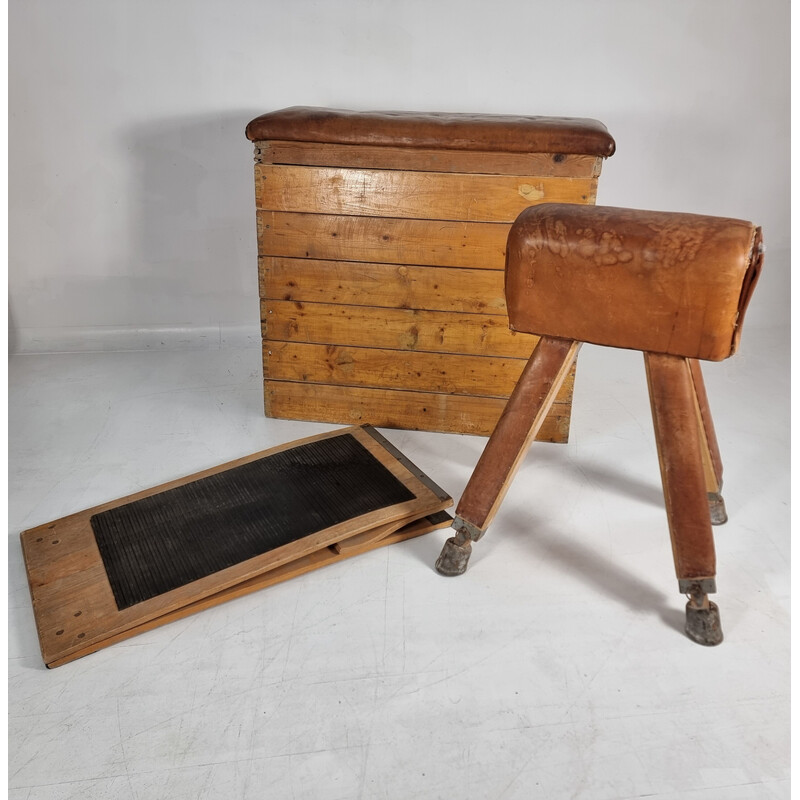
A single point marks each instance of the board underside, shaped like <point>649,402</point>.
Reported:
<point>110,572</point>
<point>381,281</point>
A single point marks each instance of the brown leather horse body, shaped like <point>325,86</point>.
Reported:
<point>674,286</point>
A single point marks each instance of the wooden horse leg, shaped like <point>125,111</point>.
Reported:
<point>680,440</point>
<point>712,462</point>
<point>519,423</point>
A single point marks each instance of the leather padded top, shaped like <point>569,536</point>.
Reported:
<point>645,280</point>
<point>490,132</point>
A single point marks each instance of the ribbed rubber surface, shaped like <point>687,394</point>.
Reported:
<point>159,543</point>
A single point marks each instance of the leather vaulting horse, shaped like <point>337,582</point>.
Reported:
<point>674,286</point>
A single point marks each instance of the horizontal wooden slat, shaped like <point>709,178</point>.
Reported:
<point>478,245</point>
<point>392,329</point>
<point>386,408</point>
<point>426,160</point>
<point>393,286</point>
<point>388,369</point>
<point>411,195</point>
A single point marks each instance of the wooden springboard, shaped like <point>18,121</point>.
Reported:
<point>79,611</point>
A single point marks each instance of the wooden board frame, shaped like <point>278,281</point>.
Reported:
<point>73,602</point>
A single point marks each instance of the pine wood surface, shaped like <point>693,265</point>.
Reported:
<point>72,598</point>
<point>412,195</point>
<point>408,530</point>
<point>393,328</point>
<point>488,376</point>
<point>472,291</point>
<point>546,165</point>
<point>438,243</point>
<point>381,273</point>
<point>399,408</point>
<point>366,537</point>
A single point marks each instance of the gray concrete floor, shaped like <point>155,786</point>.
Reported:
<point>555,668</point>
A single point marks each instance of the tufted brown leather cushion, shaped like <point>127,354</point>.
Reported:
<point>491,132</point>
<point>644,280</point>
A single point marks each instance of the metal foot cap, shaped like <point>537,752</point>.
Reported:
<point>716,506</point>
<point>703,624</point>
<point>454,558</point>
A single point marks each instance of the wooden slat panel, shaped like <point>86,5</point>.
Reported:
<point>393,286</point>
<point>392,329</point>
<point>411,195</point>
<point>386,408</point>
<point>479,245</point>
<point>366,366</point>
<point>344,155</point>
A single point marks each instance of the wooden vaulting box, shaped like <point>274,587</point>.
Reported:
<point>381,241</point>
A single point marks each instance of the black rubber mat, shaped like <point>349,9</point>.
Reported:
<point>167,540</point>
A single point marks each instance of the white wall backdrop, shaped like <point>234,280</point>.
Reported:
<point>131,199</point>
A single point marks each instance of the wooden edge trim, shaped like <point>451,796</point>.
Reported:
<point>409,465</point>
